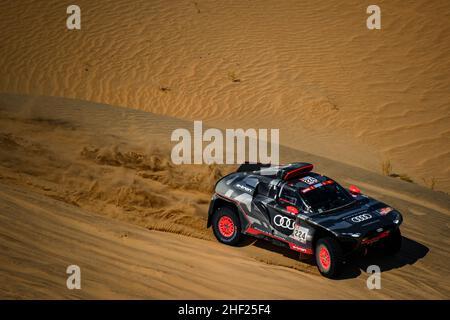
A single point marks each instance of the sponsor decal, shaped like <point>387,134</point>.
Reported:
<point>284,222</point>
<point>246,189</point>
<point>317,185</point>
<point>375,239</point>
<point>309,180</point>
<point>361,218</point>
<point>385,211</point>
<point>300,249</point>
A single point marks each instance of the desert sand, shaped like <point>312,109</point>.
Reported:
<point>86,117</point>
<point>312,68</point>
<point>80,185</point>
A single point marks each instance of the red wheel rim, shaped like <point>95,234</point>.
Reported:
<point>226,226</point>
<point>324,257</point>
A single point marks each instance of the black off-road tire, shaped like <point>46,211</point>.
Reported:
<point>329,247</point>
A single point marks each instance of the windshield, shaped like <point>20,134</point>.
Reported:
<point>327,197</point>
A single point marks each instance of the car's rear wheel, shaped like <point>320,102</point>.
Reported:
<point>329,258</point>
<point>226,226</point>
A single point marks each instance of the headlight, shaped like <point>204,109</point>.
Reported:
<point>398,218</point>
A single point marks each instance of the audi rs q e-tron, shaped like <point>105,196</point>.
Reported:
<point>307,212</point>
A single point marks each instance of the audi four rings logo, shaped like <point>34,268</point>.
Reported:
<point>361,218</point>
<point>284,222</point>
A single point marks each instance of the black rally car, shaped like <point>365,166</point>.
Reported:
<point>310,213</point>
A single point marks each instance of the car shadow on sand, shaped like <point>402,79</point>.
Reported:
<point>410,252</point>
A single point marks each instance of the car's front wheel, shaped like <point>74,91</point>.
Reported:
<point>329,258</point>
<point>226,226</point>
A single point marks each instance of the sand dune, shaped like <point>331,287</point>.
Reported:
<point>91,184</point>
<point>117,260</point>
<point>312,69</point>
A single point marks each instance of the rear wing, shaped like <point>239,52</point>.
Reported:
<point>294,170</point>
<point>284,172</point>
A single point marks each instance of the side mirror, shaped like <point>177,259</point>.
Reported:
<point>354,189</point>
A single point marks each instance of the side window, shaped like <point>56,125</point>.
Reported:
<point>262,189</point>
<point>251,182</point>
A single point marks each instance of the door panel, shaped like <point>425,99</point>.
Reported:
<point>280,219</point>
<point>260,213</point>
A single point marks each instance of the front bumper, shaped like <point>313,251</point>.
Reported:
<point>351,243</point>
